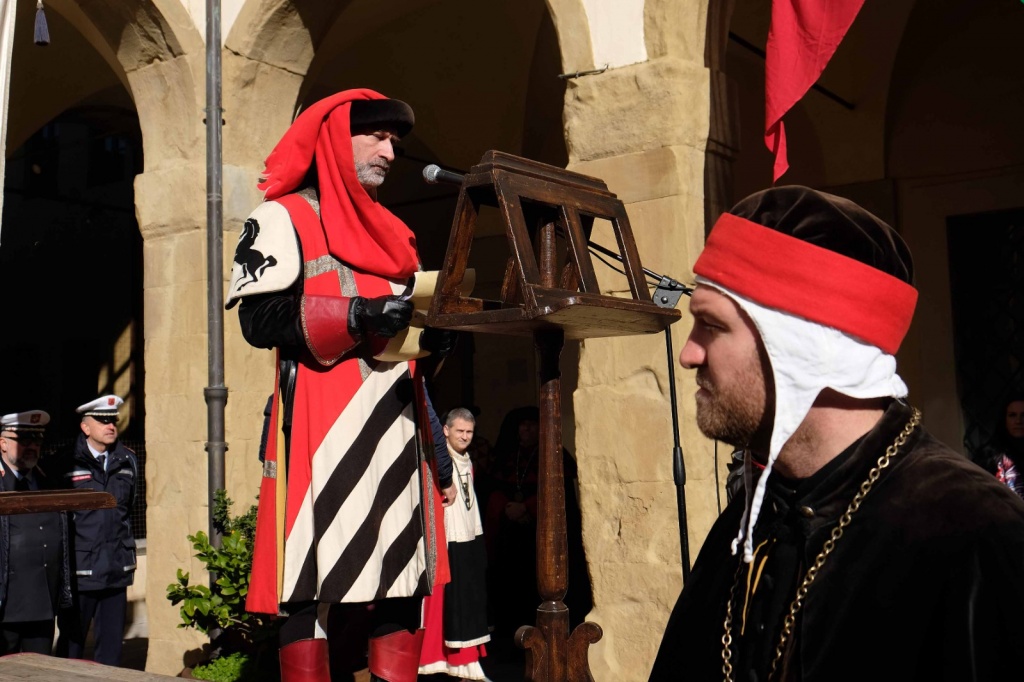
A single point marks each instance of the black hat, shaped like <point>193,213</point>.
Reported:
<point>374,114</point>
<point>831,222</point>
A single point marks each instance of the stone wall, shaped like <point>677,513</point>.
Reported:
<point>642,129</point>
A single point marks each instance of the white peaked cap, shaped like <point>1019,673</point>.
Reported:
<point>104,406</point>
<point>32,421</point>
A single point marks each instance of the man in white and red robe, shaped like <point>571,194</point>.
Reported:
<point>347,508</point>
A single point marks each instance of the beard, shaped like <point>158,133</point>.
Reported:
<point>27,461</point>
<point>732,415</point>
<point>372,174</point>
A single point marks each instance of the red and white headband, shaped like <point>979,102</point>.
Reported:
<point>794,276</point>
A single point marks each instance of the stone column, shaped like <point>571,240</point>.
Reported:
<point>171,206</point>
<point>259,103</point>
<point>642,129</point>
<point>171,211</point>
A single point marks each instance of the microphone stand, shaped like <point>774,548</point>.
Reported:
<point>666,295</point>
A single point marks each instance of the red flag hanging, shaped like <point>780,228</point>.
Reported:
<point>803,36</point>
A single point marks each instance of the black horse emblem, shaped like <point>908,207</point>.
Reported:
<point>253,262</point>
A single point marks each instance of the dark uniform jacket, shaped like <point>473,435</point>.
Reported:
<point>103,544</point>
<point>923,585</point>
<point>35,577</point>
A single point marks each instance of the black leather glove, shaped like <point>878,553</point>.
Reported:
<point>440,342</point>
<point>383,316</point>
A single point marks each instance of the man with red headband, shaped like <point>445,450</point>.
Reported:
<point>347,515</point>
<point>861,548</point>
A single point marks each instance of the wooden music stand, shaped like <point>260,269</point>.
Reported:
<point>550,300</point>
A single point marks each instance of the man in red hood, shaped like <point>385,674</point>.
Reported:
<point>347,516</point>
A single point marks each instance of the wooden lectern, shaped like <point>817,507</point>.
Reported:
<point>549,291</point>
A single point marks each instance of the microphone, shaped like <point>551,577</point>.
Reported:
<point>434,174</point>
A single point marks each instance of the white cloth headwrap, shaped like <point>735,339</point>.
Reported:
<point>805,358</point>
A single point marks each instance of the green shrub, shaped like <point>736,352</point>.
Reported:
<point>224,669</point>
<point>237,637</point>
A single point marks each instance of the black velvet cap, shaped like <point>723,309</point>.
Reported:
<point>831,222</point>
<point>374,114</point>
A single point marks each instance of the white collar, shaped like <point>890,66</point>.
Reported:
<point>96,453</point>
<point>462,457</point>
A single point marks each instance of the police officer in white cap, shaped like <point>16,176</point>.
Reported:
<point>35,579</point>
<point>104,546</point>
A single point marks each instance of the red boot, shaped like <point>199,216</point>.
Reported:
<point>305,661</point>
<point>396,657</point>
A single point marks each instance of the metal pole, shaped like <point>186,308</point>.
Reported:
<point>216,393</point>
<point>678,466</point>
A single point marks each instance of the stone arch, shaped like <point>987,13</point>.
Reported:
<point>129,40</point>
<point>90,80</point>
<point>149,46</point>
<point>73,150</point>
<point>570,20</point>
<point>144,62</point>
<point>268,50</point>
<point>157,54</point>
<point>278,40</point>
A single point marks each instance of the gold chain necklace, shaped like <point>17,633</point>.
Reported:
<point>819,561</point>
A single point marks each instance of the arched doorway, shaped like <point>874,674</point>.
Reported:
<point>71,250</point>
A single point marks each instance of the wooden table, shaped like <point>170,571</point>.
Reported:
<point>38,501</point>
<point>39,668</point>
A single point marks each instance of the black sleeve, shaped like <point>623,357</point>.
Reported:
<point>272,320</point>
<point>444,460</point>
<point>133,460</point>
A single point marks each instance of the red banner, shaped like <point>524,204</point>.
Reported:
<point>803,36</point>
